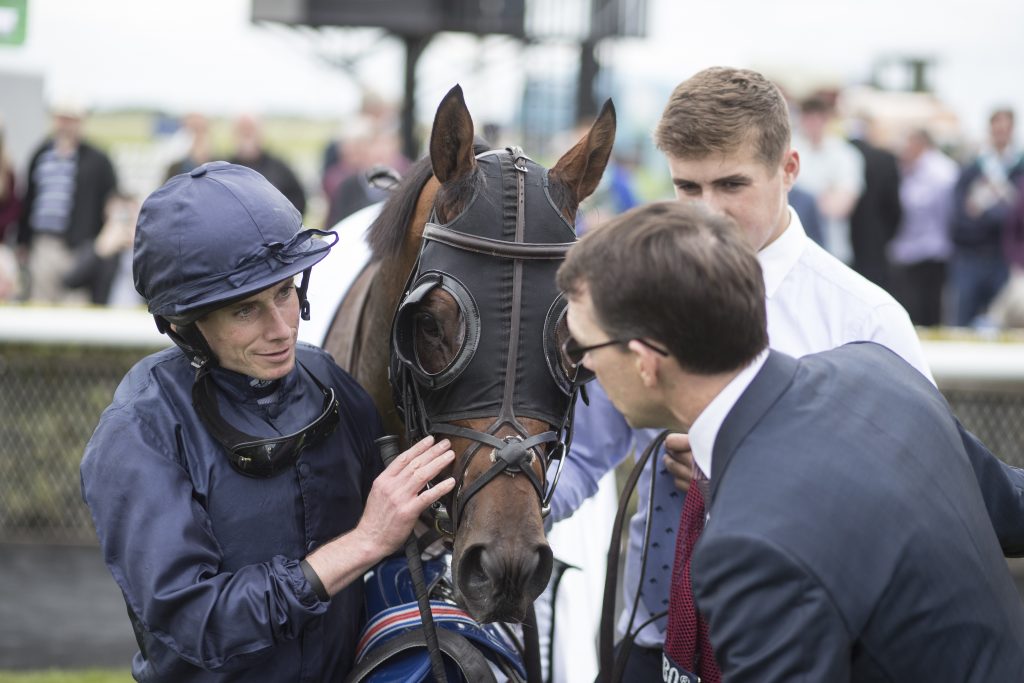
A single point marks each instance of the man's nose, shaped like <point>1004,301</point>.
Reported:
<point>277,324</point>
<point>713,202</point>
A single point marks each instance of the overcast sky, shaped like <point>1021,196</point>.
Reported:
<point>206,54</point>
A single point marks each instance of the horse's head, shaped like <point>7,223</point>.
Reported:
<point>476,346</point>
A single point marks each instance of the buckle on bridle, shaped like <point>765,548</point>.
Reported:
<point>514,455</point>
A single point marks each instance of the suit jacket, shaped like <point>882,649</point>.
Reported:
<point>877,214</point>
<point>848,539</point>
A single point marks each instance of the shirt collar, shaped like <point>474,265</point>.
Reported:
<point>243,388</point>
<point>704,429</point>
<point>779,257</point>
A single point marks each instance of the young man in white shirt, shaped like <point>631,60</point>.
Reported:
<point>837,480</point>
<point>726,135</point>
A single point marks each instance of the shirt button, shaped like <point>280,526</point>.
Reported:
<point>304,469</point>
<point>310,546</point>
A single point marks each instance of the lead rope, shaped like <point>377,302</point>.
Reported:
<point>610,666</point>
<point>389,449</point>
<point>531,648</point>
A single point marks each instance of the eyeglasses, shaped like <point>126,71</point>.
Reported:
<point>574,354</point>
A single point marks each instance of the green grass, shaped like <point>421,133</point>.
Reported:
<point>79,676</point>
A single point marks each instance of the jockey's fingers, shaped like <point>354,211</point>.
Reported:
<point>420,473</point>
<point>428,456</point>
<point>411,453</point>
<point>404,483</point>
<point>430,496</point>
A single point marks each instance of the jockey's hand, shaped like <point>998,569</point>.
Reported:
<point>678,459</point>
<point>395,502</point>
<point>399,495</point>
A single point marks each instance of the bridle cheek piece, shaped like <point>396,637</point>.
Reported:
<point>483,258</point>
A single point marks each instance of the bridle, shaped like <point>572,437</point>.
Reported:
<point>417,391</point>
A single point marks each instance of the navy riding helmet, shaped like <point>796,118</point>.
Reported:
<point>215,235</point>
<point>219,234</point>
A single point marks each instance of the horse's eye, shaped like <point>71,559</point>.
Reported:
<point>427,325</point>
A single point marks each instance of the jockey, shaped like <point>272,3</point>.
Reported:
<point>234,481</point>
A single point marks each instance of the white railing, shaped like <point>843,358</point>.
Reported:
<point>981,362</point>
<point>959,360</point>
<point>88,326</point>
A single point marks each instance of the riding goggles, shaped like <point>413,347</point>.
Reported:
<point>262,457</point>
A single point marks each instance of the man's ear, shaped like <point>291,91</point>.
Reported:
<point>648,363</point>
<point>790,168</point>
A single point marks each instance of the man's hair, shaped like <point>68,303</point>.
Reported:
<point>719,110</point>
<point>1002,111</point>
<point>815,105</point>
<point>677,275</point>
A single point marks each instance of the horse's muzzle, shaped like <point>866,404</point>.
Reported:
<point>499,583</point>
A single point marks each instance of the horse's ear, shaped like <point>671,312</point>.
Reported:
<point>582,166</point>
<point>451,139</point>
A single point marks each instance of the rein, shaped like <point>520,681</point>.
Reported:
<point>611,667</point>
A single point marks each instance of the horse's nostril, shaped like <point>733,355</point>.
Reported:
<point>486,577</point>
<point>471,574</point>
<point>538,571</point>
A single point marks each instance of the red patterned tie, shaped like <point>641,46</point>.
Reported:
<point>686,640</point>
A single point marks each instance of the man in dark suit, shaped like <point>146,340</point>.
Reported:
<point>848,538</point>
<point>876,215</point>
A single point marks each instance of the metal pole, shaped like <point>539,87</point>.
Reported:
<point>414,47</point>
<point>586,105</point>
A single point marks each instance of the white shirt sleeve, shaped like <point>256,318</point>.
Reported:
<point>889,325</point>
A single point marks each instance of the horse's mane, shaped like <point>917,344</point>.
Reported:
<point>387,232</point>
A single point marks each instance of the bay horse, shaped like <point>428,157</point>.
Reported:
<point>501,561</point>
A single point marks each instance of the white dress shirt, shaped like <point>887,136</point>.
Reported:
<point>815,303</point>
<point>704,429</point>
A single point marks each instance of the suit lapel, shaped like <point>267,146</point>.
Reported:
<point>770,382</point>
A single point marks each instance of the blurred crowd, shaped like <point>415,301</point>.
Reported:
<point>941,230</point>
<point>946,239</point>
<point>67,224</point>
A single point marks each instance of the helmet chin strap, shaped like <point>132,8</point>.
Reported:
<point>190,340</point>
<point>303,301</point>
